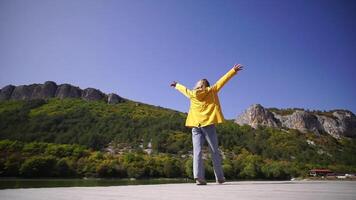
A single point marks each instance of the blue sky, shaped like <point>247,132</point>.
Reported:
<point>296,53</point>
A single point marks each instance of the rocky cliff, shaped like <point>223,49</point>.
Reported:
<point>337,123</point>
<point>51,90</point>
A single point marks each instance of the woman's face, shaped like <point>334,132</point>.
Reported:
<point>199,84</point>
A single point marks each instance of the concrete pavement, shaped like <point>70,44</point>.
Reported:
<point>249,190</point>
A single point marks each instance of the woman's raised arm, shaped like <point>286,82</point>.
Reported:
<point>182,89</point>
<point>224,79</point>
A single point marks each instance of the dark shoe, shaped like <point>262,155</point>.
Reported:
<point>200,181</point>
<point>221,181</point>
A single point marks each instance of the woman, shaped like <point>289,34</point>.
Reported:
<point>204,113</point>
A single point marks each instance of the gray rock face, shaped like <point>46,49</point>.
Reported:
<point>301,120</point>
<point>92,94</point>
<point>23,92</point>
<point>256,115</point>
<point>348,120</point>
<point>50,89</point>
<point>341,123</point>
<point>44,91</point>
<point>68,91</point>
<point>5,93</point>
<point>114,98</point>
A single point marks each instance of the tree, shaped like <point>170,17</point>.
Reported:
<point>248,165</point>
<point>134,171</point>
<point>64,169</point>
<point>228,170</point>
<point>12,165</point>
<point>276,169</point>
<point>171,168</point>
<point>39,166</point>
<point>107,168</point>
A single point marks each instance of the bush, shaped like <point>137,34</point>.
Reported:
<point>153,167</point>
<point>188,168</point>
<point>12,165</point>
<point>59,150</point>
<point>64,169</point>
<point>35,148</point>
<point>209,170</point>
<point>248,165</point>
<point>109,168</point>
<point>134,171</point>
<point>228,171</point>
<point>276,169</point>
<point>171,168</point>
<point>10,146</point>
<point>39,166</point>
<point>2,167</point>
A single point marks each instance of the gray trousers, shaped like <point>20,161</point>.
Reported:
<point>199,136</point>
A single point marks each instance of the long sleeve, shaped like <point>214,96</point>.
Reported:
<point>184,90</point>
<point>223,80</point>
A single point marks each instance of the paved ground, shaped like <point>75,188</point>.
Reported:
<point>250,190</point>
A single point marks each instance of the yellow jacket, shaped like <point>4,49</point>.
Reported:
<point>205,106</point>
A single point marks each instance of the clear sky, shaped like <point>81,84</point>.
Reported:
<point>299,53</point>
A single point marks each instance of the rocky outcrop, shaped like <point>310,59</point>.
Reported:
<point>44,91</point>
<point>68,91</point>
<point>5,93</point>
<point>337,123</point>
<point>50,90</point>
<point>92,94</point>
<point>23,92</point>
<point>301,120</point>
<point>114,98</point>
<point>341,122</point>
<point>256,115</point>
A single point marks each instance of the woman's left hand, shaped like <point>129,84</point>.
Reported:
<point>238,67</point>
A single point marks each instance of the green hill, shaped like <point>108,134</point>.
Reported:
<point>90,123</point>
<point>33,134</point>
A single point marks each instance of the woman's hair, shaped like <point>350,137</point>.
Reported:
<point>203,83</point>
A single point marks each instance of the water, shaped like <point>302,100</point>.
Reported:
<point>6,183</point>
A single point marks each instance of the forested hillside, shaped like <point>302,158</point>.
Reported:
<point>33,134</point>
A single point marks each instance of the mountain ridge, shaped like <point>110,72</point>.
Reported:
<point>51,89</point>
<point>338,123</point>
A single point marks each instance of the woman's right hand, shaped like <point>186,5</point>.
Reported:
<point>173,84</point>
